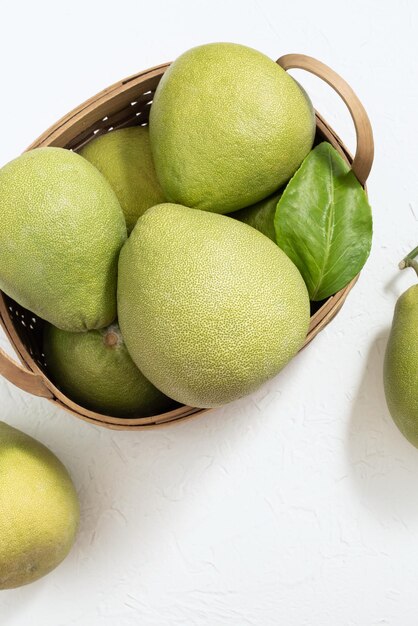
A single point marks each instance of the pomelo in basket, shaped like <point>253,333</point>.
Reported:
<point>95,370</point>
<point>124,157</point>
<point>228,126</point>
<point>261,215</point>
<point>39,509</point>
<point>208,306</point>
<point>62,228</point>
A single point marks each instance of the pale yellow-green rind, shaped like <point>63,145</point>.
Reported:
<point>39,510</point>
<point>98,376</point>
<point>261,215</point>
<point>61,232</point>
<point>209,307</point>
<point>124,158</point>
<point>401,366</point>
<point>228,126</point>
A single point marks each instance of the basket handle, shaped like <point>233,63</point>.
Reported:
<point>363,160</point>
<point>22,378</point>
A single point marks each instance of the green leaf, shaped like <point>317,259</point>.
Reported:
<point>323,222</point>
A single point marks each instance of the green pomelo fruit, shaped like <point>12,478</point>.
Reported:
<point>261,215</point>
<point>61,232</point>
<point>95,370</point>
<point>39,509</point>
<point>124,158</point>
<point>401,366</point>
<point>209,307</point>
<point>228,126</point>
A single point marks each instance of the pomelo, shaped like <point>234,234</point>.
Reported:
<point>124,158</point>
<point>400,371</point>
<point>61,232</point>
<point>95,370</point>
<point>209,307</point>
<point>228,126</point>
<point>39,509</point>
<point>261,215</point>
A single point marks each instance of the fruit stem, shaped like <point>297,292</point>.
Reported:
<point>111,338</point>
<point>410,261</point>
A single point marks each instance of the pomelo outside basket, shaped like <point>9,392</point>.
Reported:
<point>127,103</point>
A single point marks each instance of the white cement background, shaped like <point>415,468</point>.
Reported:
<point>296,506</point>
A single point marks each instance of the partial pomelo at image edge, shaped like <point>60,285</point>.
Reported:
<point>400,370</point>
<point>28,466</point>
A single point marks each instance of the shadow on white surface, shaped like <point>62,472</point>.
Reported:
<point>16,601</point>
<point>383,465</point>
<point>155,480</point>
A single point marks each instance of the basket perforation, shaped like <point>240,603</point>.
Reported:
<point>29,327</point>
<point>135,114</point>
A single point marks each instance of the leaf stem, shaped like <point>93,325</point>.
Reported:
<point>410,261</point>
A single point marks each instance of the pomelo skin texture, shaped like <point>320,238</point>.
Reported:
<point>61,232</point>
<point>228,126</point>
<point>96,371</point>
<point>401,366</point>
<point>261,215</point>
<point>209,307</point>
<point>39,509</point>
<point>124,158</point>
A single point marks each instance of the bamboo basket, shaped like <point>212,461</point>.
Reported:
<point>127,103</point>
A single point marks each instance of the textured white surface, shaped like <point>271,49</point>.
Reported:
<point>299,505</point>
